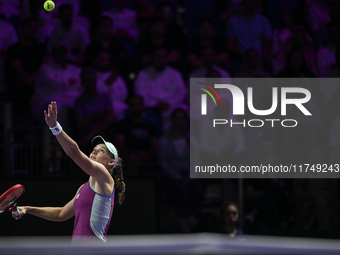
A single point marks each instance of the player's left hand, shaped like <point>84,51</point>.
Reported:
<point>51,114</point>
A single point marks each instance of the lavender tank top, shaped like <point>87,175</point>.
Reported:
<point>93,213</point>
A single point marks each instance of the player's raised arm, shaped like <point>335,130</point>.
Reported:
<point>95,169</point>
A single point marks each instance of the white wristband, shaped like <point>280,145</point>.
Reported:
<point>56,130</point>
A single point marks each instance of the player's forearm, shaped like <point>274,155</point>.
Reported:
<point>69,146</point>
<point>47,213</point>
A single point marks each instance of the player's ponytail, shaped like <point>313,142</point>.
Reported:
<point>117,174</point>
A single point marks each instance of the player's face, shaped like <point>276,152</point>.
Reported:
<point>101,154</point>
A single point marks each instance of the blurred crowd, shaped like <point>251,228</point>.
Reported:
<point>122,68</point>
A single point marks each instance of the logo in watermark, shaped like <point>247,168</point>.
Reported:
<point>238,103</point>
<point>204,97</point>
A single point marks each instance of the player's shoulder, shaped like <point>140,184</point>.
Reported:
<point>81,186</point>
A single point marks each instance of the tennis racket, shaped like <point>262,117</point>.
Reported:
<point>10,199</point>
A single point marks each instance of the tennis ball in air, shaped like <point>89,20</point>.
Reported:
<point>49,5</point>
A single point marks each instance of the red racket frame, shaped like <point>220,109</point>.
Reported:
<point>12,205</point>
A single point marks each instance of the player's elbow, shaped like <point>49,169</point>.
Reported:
<point>63,215</point>
<point>57,215</point>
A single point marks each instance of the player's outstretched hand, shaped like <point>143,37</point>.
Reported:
<point>51,114</point>
<point>22,211</point>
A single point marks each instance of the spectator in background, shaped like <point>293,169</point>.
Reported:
<point>145,10</point>
<point>160,85</point>
<point>23,60</point>
<point>145,13</point>
<point>79,17</point>
<point>334,11</point>
<point>136,139</point>
<point>296,65</point>
<point>8,36</point>
<point>290,18</point>
<point>157,37</point>
<point>230,216</point>
<point>124,20</point>
<point>57,80</point>
<point>9,9</point>
<point>48,21</point>
<point>75,37</point>
<point>206,38</point>
<point>252,65</point>
<point>266,204</point>
<point>174,158</point>
<point>248,29</point>
<point>330,93</point>
<point>228,8</point>
<point>111,83</point>
<point>76,5</point>
<point>325,57</point>
<point>315,203</point>
<point>212,73</point>
<point>105,41</point>
<point>274,9</point>
<point>335,73</point>
<point>164,10</point>
<point>321,35</point>
<point>208,57</point>
<point>92,109</point>
<point>174,147</point>
<point>299,39</point>
<point>317,15</point>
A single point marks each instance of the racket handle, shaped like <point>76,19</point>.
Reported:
<point>16,212</point>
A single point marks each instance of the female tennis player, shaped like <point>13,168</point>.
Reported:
<point>93,203</point>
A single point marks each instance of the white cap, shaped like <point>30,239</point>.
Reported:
<point>98,139</point>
